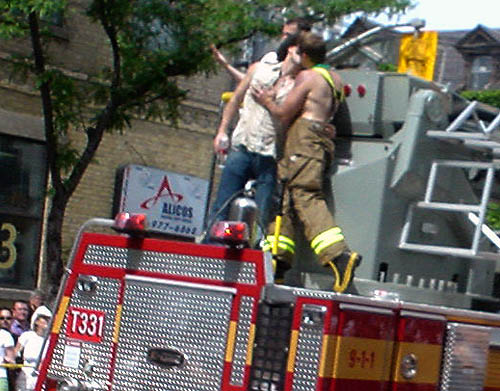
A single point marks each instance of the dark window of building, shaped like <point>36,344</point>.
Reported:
<point>22,191</point>
<point>482,66</point>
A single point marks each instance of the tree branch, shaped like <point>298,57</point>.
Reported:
<point>104,121</point>
<point>111,32</point>
<point>47,107</point>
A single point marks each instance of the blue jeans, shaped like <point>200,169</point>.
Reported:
<point>242,166</point>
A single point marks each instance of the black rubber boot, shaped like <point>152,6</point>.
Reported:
<point>343,268</point>
<point>280,268</point>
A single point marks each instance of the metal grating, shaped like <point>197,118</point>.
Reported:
<point>270,351</point>
<point>190,318</point>
<point>309,348</point>
<point>105,299</point>
<point>241,343</point>
<point>465,357</point>
<point>172,264</point>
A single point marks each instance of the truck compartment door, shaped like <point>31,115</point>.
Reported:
<point>172,335</point>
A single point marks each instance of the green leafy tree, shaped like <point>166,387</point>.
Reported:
<point>151,42</point>
<point>490,97</point>
<point>493,215</point>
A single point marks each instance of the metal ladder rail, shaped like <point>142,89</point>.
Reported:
<point>451,132</point>
<point>479,139</point>
<point>480,209</point>
<point>473,140</point>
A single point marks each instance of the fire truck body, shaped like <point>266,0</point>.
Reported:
<point>137,314</point>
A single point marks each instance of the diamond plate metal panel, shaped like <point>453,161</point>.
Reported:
<point>241,343</point>
<point>270,352</point>
<point>193,319</point>
<point>105,299</point>
<point>309,348</point>
<point>173,264</point>
<point>465,357</point>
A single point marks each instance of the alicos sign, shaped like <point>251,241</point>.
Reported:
<point>173,203</point>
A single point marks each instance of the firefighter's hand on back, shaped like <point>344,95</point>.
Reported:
<point>330,130</point>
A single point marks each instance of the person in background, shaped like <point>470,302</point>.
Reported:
<point>7,344</point>
<point>41,310</point>
<point>5,323</point>
<point>309,107</point>
<point>37,298</point>
<point>20,313</point>
<point>5,318</point>
<point>29,345</point>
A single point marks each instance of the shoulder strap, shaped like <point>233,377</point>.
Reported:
<point>326,75</point>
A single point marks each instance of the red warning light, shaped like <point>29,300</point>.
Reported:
<point>230,232</point>
<point>347,90</point>
<point>361,90</point>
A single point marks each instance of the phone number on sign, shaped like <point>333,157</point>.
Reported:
<point>177,228</point>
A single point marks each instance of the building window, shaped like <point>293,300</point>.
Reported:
<point>482,67</point>
<point>22,191</point>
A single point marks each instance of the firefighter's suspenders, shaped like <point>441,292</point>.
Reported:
<point>323,71</point>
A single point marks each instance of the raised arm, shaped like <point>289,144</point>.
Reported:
<point>219,57</point>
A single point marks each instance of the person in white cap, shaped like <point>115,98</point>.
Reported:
<point>30,345</point>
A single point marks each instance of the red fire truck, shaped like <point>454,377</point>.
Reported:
<point>136,313</point>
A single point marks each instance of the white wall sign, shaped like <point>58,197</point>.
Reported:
<point>173,203</point>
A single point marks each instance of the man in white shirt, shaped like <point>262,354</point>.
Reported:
<point>6,356</point>
<point>253,145</point>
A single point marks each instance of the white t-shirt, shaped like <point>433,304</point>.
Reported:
<point>32,344</point>
<point>6,341</point>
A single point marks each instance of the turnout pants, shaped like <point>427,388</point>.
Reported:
<point>308,149</point>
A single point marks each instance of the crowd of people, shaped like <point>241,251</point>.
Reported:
<point>286,104</point>
<point>22,331</point>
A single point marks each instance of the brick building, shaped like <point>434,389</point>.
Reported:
<point>80,50</point>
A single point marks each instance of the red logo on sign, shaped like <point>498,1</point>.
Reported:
<point>163,191</point>
<point>84,324</point>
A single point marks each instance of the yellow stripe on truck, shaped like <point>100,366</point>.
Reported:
<point>493,372</point>
<point>231,337</point>
<point>292,352</point>
<point>118,318</point>
<point>428,362</point>
<point>483,322</point>
<point>363,359</point>
<point>58,320</point>
<point>251,339</point>
<point>327,356</point>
